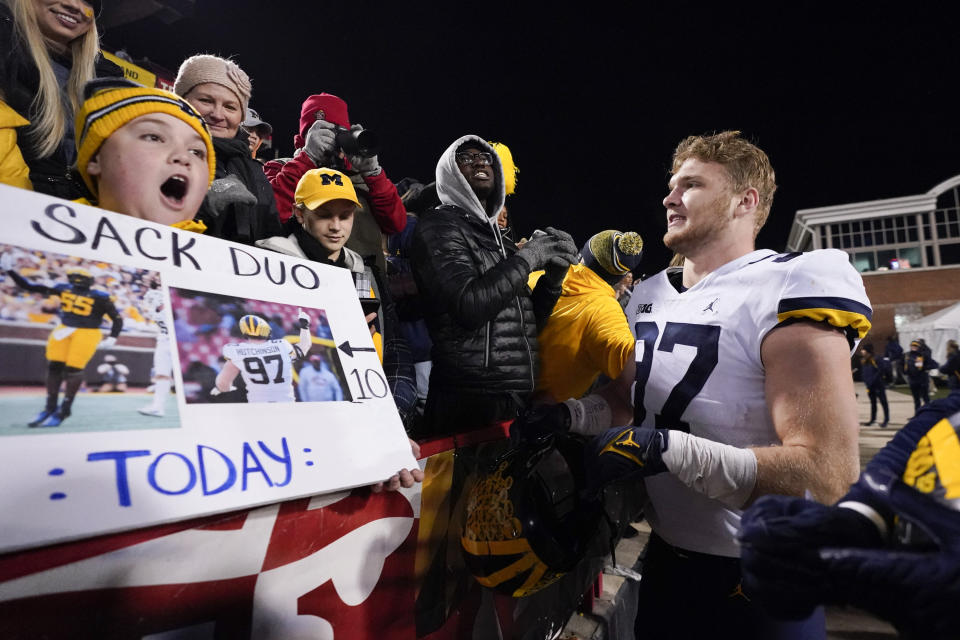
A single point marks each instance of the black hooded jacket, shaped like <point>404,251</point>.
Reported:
<point>478,306</point>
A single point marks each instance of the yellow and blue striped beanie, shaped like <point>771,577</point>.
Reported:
<point>612,254</point>
<point>110,103</point>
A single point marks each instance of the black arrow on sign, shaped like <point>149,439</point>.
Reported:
<point>347,349</point>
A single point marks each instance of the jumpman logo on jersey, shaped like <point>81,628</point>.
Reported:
<point>709,307</point>
<point>626,440</point>
<point>738,591</point>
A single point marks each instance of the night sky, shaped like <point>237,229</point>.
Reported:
<point>592,99</point>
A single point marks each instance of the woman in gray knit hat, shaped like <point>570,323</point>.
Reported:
<point>240,205</point>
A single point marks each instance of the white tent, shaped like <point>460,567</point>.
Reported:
<point>935,329</point>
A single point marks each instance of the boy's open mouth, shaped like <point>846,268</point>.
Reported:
<point>175,188</point>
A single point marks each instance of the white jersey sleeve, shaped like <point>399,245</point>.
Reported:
<point>820,286</point>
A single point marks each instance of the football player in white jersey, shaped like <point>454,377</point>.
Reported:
<point>266,365</point>
<point>741,388</point>
<point>153,305</point>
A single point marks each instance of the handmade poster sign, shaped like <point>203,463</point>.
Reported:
<point>277,389</point>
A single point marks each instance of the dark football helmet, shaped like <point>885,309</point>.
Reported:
<point>79,277</point>
<point>527,522</point>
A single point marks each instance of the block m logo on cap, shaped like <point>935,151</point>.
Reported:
<point>332,178</point>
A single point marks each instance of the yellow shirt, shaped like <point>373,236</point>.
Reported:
<point>587,334</point>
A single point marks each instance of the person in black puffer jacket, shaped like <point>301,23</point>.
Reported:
<point>481,315</point>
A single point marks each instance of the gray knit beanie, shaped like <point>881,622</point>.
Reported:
<point>203,68</point>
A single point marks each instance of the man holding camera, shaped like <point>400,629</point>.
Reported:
<point>481,315</point>
<point>327,139</point>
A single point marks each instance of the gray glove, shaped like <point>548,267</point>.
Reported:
<point>364,166</point>
<point>225,192</point>
<point>321,142</point>
<point>555,245</point>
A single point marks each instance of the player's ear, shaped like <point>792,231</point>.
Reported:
<point>298,213</point>
<point>749,200</point>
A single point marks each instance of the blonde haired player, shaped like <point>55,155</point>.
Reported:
<point>265,365</point>
<point>741,388</point>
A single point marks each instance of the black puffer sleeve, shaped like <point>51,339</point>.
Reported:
<point>452,271</point>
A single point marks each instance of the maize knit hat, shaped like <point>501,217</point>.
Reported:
<point>612,254</point>
<point>510,171</point>
<point>203,68</point>
<point>110,103</point>
<point>319,186</point>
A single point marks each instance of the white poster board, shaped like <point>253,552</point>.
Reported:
<point>108,467</point>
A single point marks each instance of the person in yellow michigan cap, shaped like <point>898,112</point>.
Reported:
<point>324,206</point>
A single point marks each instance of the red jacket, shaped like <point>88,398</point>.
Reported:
<point>385,204</point>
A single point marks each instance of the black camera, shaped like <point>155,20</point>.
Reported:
<point>363,142</point>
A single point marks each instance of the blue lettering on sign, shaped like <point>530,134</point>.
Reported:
<point>120,463</point>
<point>231,470</point>
<point>284,459</point>
<point>209,462</point>
<point>152,475</point>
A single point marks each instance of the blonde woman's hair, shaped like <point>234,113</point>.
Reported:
<point>48,115</point>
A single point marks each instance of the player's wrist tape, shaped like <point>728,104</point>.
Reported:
<point>868,512</point>
<point>590,415</point>
<point>719,471</point>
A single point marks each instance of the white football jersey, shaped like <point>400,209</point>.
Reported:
<point>152,307</point>
<point>699,368</point>
<point>266,368</point>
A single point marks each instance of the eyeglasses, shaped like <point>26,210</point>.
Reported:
<point>469,158</point>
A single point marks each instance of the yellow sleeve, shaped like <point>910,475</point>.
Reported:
<point>534,278</point>
<point>608,340</point>
<point>13,170</point>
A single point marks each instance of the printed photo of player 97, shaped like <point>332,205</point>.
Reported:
<point>81,345</point>
<point>236,350</point>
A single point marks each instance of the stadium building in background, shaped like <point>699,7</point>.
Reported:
<point>907,250</point>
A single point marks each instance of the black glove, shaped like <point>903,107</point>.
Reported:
<point>540,424</point>
<point>303,320</point>
<point>796,554</point>
<point>554,244</point>
<point>780,540</point>
<point>625,451</point>
<point>555,271</point>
